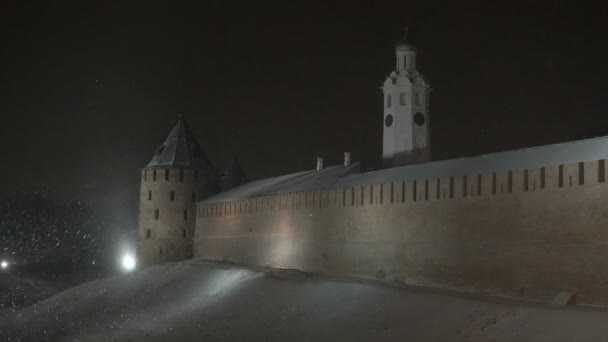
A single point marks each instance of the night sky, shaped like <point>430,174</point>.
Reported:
<point>88,90</point>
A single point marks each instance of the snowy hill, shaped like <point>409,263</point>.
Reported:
<point>199,301</point>
<point>20,290</point>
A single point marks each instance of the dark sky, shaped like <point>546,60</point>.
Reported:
<point>89,89</point>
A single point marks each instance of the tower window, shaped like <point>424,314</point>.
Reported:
<point>149,195</point>
<point>181,175</point>
<point>601,171</point>
<point>148,233</point>
<point>417,99</point>
<point>160,252</point>
<point>156,214</point>
<point>581,173</point>
<point>145,175</point>
<point>388,101</point>
<point>402,99</point>
<point>154,175</point>
<point>404,61</point>
<point>172,195</point>
<point>184,233</point>
<point>166,174</point>
<point>185,214</point>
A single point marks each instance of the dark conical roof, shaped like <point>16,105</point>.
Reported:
<point>180,149</point>
<point>234,176</point>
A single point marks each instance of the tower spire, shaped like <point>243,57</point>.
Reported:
<point>405,53</point>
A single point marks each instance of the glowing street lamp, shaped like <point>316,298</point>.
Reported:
<point>128,262</point>
<point>4,264</point>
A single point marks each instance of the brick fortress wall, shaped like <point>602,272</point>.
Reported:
<point>530,232</point>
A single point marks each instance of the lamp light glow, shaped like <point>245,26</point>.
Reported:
<point>128,262</point>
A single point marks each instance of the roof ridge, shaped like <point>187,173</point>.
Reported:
<point>179,127</point>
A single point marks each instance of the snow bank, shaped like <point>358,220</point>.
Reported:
<point>196,301</point>
<point>17,291</point>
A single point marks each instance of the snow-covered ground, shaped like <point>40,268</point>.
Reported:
<point>199,301</point>
<point>18,290</point>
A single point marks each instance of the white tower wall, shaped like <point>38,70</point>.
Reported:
<point>406,115</point>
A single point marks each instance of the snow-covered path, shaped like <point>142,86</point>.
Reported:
<point>199,301</point>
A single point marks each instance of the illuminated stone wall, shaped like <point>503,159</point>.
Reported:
<point>167,236</point>
<point>523,232</point>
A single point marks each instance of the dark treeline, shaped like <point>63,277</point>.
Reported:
<point>39,233</point>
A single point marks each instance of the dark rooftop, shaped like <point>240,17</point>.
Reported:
<point>180,149</point>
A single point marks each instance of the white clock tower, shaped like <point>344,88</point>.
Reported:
<point>406,111</point>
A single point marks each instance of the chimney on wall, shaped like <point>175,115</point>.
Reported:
<point>319,163</point>
<point>346,158</point>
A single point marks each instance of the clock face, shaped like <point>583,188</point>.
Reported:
<point>388,121</point>
<point>419,119</point>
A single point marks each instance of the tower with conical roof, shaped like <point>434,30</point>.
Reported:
<point>233,176</point>
<point>178,175</point>
<point>406,138</point>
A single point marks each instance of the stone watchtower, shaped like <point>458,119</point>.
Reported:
<point>178,175</point>
<point>406,111</point>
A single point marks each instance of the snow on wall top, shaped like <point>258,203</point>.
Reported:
<point>341,176</point>
<point>293,182</point>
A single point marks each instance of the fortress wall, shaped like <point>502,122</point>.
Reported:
<point>523,232</point>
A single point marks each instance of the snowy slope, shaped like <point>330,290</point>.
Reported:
<point>21,290</point>
<point>198,301</point>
